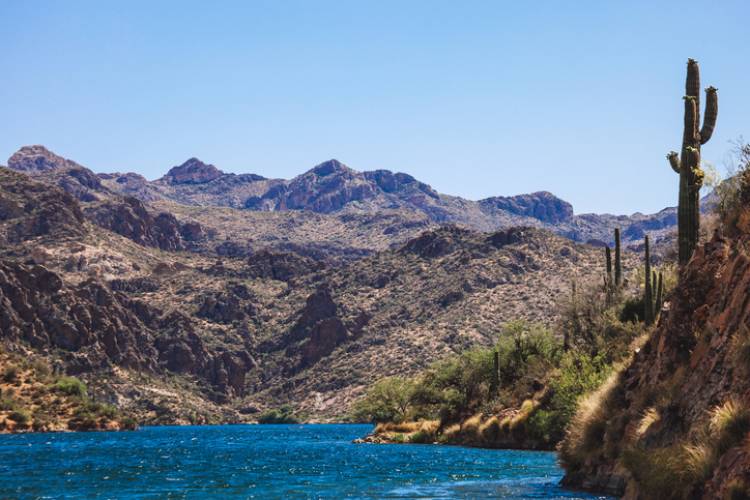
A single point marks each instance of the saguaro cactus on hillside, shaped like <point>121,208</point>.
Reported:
<point>687,162</point>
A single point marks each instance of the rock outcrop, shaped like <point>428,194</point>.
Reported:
<point>318,330</point>
<point>32,159</point>
<point>542,205</point>
<point>193,171</point>
<point>130,218</point>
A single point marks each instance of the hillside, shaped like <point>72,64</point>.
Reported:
<point>674,422</point>
<point>129,299</point>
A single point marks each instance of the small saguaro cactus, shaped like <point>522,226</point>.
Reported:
<point>659,294</point>
<point>648,298</point>
<point>687,162</point>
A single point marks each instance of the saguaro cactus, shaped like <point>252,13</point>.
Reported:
<point>687,162</point>
<point>659,295</point>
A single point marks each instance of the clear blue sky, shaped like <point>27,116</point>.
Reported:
<point>475,98</point>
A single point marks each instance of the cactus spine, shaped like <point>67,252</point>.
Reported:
<point>687,163</point>
<point>648,299</point>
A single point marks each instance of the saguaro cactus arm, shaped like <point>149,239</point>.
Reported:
<point>712,111</point>
<point>691,119</point>
<point>674,161</point>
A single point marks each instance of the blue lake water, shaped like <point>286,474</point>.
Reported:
<point>268,461</point>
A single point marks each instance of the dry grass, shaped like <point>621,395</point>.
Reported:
<point>586,430</point>
<point>423,431</point>
<point>527,409</point>
<point>649,418</point>
<point>729,425</point>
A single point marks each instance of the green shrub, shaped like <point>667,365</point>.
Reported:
<point>10,375</point>
<point>282,415</point>
<point>632,310</point>
<point>577,376</point>
<point>128,424</point>
<point>20,417</point>
<point>389,400</point>
<point>7,404</point>
<point>421,437</point>
<point>71,386</point>
<point>41,368</point>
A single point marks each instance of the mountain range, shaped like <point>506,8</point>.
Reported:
<point>395,205</point>
<point>208,297</point>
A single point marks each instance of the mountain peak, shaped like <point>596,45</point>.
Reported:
<point>37,158</point>
<point>193,171</point>
<point>329,167</point>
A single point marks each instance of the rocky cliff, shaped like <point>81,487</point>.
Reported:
<point>674,422</point>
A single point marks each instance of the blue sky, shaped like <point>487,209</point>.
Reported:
<point>475,98</point>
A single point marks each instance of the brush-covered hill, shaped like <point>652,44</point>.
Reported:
<point>675,422</point>
<point>129,299</point>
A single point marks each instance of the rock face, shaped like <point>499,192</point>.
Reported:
<point>318,331</point>
<point>94,325</point>
<point>543,206</point>
<point>30,209</point>
<point>38,159</point>
<point>693,363</point>
<point>130,218</point>
<point>282,266</point>
<point>193,171</point>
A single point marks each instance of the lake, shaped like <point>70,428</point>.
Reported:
<point>264,461</point>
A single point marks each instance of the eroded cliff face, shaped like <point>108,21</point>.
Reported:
<point>674,423</point>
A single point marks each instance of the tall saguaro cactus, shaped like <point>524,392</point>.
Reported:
<point>687,162</point>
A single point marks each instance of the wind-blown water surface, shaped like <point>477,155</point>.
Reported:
<point>274,461</point>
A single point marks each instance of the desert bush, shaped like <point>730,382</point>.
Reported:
<point>10,374</point>
<point>41,368</point>
<point>71,386</point>
<point>128,424</point>
<point>578,375</point>
<point>282,415</point>
<point>389,400</point>
<point>20,417</point>
<point>7,404</point>
<point>731,195</point>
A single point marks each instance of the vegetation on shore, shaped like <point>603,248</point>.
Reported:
<point>523,391</point>
<point>283,415</point>
<point>34,398</point>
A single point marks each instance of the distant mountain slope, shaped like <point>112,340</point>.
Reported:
<point>333,189</point>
